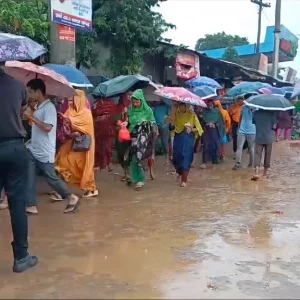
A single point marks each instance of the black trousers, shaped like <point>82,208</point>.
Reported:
<point>235,127</point>
<point>13,178</point>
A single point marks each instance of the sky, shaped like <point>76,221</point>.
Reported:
<point>195,18</point>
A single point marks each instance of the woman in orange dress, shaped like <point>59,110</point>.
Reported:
<point>78,167</point>
<point>227,123</point>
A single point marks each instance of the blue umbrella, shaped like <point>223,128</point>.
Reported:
<point>272,91</point>
<point>203,81</point>
<point>287,89</point>
<point>246,87</point>
<point>17,47</point>
<point>73,75</point>
<point>205,92</point>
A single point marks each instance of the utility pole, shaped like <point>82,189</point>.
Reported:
<point>61,51</point>
<point>276,38</point>
<point>261,5</point>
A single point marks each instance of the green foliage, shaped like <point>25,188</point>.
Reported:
<point>28,18</point>
<point>86,54</point>
<point>31,18</point>
<point>219,40</point>
<point>131,28</point>
<point>232,56</point>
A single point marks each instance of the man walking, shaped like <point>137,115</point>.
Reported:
<point>42,148</point>
<point>246,133</point>
<point>265,133</point>
<point>13,166</point>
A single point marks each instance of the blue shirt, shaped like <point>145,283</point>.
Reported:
<point>160,112</point>
<point>247,126</point>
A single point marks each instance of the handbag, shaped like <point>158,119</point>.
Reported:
<point>82,143</point>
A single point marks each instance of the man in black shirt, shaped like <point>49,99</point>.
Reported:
<point>14,165</point>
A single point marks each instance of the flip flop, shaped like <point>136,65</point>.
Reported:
<point>56,197</point>
<point>73,207</point>
<point>90,194</point>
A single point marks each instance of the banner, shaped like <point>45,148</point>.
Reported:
<point>66,33</point>
<point>187,65</point>
<point>73,13</point>
<point>263,63</point>
<point>290,75</point>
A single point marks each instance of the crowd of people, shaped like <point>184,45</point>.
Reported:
<point>67,141</point>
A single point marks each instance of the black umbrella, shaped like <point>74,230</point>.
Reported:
<point>17,47</point>
<point>269,102</point>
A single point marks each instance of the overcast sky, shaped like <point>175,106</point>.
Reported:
<point>195,18</point>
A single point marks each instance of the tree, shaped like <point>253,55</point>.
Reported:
<point>231,55</point>
<point>31,18</point>
<point>28,18</point>
<point>132,29</point>
<point>220,40</point>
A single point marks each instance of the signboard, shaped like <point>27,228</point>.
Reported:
<point>66,33</point>
<point>290,75</point>
<point>288,47</point>
<point>263,63</point>
<point>187,65</point>
<point>73,13</point>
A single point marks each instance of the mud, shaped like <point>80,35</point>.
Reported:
<point>224,236</point>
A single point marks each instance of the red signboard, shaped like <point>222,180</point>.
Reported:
<point>186,65</point>
<point>66,33</point>
<point>286,46</point>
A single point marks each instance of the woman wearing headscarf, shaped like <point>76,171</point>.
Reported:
<point>284,123</point>
<point>122,147</point>
<point>143,131</point>
<point>187,127</point>
<point>104,113</point>
<point>214,130</point>
<point>227,123</point>
<point>78,167</point>
<point>296,121</point>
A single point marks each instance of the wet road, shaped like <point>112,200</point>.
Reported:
<point>223,236</point>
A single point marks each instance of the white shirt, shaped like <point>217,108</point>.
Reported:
<point>42,145</point>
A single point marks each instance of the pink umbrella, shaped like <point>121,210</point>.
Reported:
<point>56,84</point>
<point>180,94</point>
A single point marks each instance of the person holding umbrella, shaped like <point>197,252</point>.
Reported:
<point>265,120</point>
<point>42,148</point>
<point>187,127</point>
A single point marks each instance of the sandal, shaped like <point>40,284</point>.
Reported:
<point>90,194</point>
<point>72,208</point>
<point>56,197</point>
<point>139,186</point>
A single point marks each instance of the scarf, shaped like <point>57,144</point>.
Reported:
<point>182,118</point>
<point>144,113</point>
<point>225,114</point>
<point>214,116</point>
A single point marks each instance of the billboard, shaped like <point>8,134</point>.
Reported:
<point>187,65</point>
<point>73,13</point>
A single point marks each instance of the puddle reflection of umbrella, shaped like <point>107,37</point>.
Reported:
<point>56,85</point>
<point>180,94</point>
<point>205,92</point>
<point>73,75</point>
<point>16,47</point>
<point>269,102</point>
<point>120,85</point>
<point>203,81</point>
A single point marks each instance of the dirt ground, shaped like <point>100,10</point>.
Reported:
<point>224,236</point>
